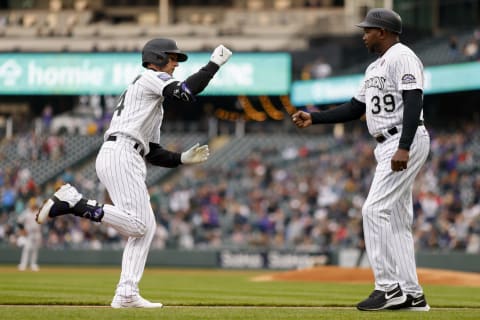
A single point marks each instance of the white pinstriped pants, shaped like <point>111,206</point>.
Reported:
<point>123,171</point>
<point>30,250</point>
<point>388,216</point>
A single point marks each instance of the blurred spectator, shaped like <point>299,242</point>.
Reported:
<point>47,116</point>
<point>453,47</point>
<point>470,50</point>
<point>476,34</point>
<point>9,195</point>
<point>67,176</point>
<point>161,237</point>
<point>320,69</point>
<point>53,147</point>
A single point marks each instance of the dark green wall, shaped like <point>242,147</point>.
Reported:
<point>198,259</point>
<point>210,259</point>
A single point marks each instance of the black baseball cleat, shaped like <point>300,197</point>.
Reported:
<point>413,304</point>
<point>380,300</point>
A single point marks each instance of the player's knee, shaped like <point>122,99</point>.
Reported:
<point>141,228</point>
<point>138,229</point>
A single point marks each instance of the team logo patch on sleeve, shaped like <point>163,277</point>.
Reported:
<point>164,76</point>
<point>408,78</point>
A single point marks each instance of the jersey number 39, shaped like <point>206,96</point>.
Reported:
<point>386,104</point>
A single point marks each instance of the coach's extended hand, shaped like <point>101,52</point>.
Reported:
<point>195,154</point>
<point>302,119</point>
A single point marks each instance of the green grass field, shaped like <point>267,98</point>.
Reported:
<point>85,293</point>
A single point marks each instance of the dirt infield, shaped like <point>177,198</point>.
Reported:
<point>362,275</point>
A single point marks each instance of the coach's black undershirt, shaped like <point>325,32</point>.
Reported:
<point>348,111</point>
<point>412,107</point>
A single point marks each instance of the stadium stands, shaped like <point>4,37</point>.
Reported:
<point>44,165</point>
<point>289,191</point>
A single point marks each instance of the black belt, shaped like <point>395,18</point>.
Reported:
<point>137,146</point>
<point>392,131</point>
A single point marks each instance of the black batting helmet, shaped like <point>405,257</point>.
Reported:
<point>383,19</point>
<point>155,51</point>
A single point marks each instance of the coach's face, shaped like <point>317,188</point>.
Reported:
<point>372,38</point>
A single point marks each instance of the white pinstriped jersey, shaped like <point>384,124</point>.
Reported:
<point>398,69</point>
<point>139,112</point>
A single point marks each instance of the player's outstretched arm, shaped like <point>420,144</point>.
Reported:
<point>198,81</point>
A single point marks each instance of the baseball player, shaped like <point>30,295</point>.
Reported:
<point>32,236</point>
<point>391,98</point>
<point>133,139</point>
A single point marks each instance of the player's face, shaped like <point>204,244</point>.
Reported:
<point>371,38</point>
<point>172,64</point>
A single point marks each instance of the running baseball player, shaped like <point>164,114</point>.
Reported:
<point>133,139</point>
<point>391,98</point>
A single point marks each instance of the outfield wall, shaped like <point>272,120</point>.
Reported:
<point>238,259</point>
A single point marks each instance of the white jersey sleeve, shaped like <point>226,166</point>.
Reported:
<point>156,81</point>
<point>409,70</point>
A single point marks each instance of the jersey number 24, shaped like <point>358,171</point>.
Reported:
<point>121,99</point>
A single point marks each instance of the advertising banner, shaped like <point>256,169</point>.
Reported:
<point>438,79</point>
<point>110,73</point>
<point>270,259</point>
